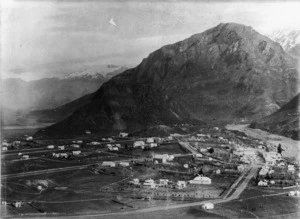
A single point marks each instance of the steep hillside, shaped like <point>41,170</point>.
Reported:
<point>284,122</point>
<point>228,72</point>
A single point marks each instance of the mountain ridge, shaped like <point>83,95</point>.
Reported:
<point>227,72</point>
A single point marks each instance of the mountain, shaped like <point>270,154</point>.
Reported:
<point>288,39</point>
<point>226,73</point>
<point>284,121</point>
<point>48,93</point>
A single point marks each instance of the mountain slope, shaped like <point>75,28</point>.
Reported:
<point>50,93</point>
<point>225,73</point>
<point>284,122</point>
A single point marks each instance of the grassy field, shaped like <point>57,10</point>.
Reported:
<point>170,149</point>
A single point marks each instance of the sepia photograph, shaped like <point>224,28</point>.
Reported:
<point>128,109</point>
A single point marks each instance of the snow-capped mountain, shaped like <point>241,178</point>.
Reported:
<point>105,71</point>
<point>48,93</point>
<point>288,39</point>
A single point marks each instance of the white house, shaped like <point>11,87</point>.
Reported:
<point>63,155</point>
<point>95,143</point>
<point>50,146</point>
<point>186,165</point>
<point>76,152</point>
<point>149,183</point>
<point>75,145</point>
<point>123,134</point>
<point>163,182</point>
<point>4,148</point>
<point>150,140</point>
<point>29,138</point>
<point>262,183</point>
<point>200,180</point>
<point>291,168</point>
<point>17,204</point>
<point>110,139</point>
<point>135,181</point>
<point>88,132</point>
<point>124,164</point>
<point>79,142</point>
<point>152,145</point>
<point>62,147</point>
<point>180,184</point>
<point>138,144</point>
<point>118,145</point>
<point>160,158</point>
<point>108,164</point>
<point>114,148</point>
<point>208,206</point>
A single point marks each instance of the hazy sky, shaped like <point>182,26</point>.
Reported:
<point>50,38</point>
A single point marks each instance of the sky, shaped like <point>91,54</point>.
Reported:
<point>50,38</point>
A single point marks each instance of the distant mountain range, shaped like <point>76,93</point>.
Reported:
<point>289,40</point>
<point>226,73</point>
<point>20,97</point>
<point>284,121</point>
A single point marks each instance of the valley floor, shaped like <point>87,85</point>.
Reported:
<point>291,147</point>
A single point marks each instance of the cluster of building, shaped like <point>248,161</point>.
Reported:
<point>294,193</point>
<point>66,154</point>
<point>113,147</point>
<point>180,184</point>
<point>115,164</point>
<point>246,155</point>
<point>5,145</point>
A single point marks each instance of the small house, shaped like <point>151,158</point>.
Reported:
<point>63,155</point>
<point>29,138</point>
<point>291,168</point>
<point>50,146</point>
<point>200,180</point>
<point>135,181</point>
<point>150,140</point>
<point>163,182</point>
<point>4,148</point>
<point>180,184</point>
<point>262,183</point>
<point>160,158</point>
<point>124,164</point>
<point>88,132</point>
<point>79,141</point>
<point>123,134</point>
<point>118,145</point>
<point>114,148</point>
<point>152,145</point>
<point>138,144</point>
<point>76,152</point>
<point>62,147</point>
<point>108,164</point>
<point>149,183</point>
<point>17,204</point>
<point>208,206</point>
